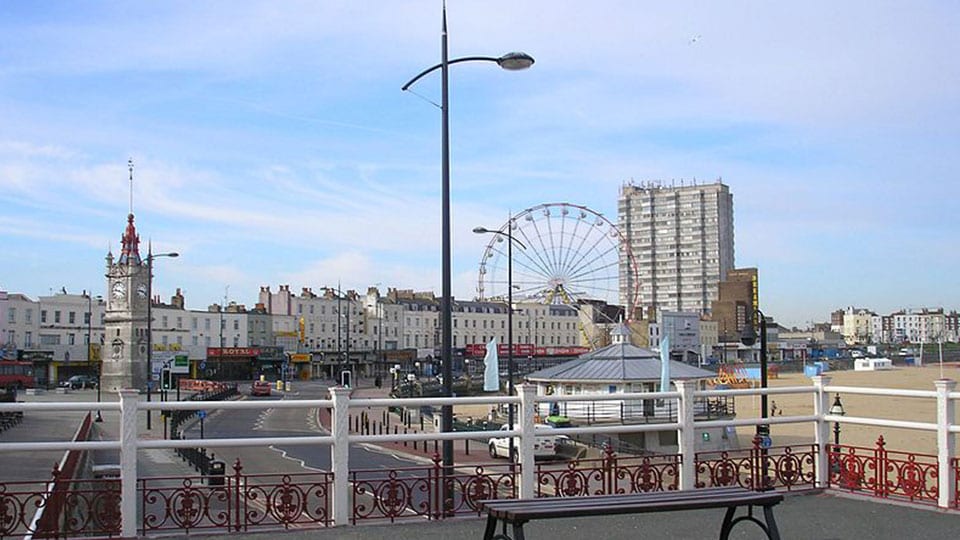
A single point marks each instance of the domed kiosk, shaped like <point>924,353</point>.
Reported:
<point>623,368</point>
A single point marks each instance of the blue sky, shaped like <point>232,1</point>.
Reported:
<point>273,145</point>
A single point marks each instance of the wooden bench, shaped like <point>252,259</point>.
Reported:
<point>516,512</point>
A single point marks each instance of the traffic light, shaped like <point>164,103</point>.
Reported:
<point>166,378</point>
<point>345,379</point>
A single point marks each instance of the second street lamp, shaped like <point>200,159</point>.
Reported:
<point>749,338</point>
<point>836,410</point>
<point>150,257</point>
<point>510,241</point>
<point>510,61</point>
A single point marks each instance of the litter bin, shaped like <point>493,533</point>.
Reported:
<point>217,471</point>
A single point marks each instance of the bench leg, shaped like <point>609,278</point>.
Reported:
<point>727,523</point>
<point>518,530</point>
<point>491,528</point>
<point>769,528</point>
<point>772,532</point>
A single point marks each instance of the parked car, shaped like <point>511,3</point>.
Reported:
<point>80,381</point>
<point>544,445</point>
<point>260,388</point>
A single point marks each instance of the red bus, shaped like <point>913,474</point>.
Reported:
<point>16,374</point>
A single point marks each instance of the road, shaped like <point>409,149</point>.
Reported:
<point>287,422</point>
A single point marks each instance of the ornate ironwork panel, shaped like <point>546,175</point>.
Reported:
<point>879,472</point>
<point>608,475</point>
<point>70,509</point>
<point>237,502</point>
<point>418,492</point>
<point>791,468</point>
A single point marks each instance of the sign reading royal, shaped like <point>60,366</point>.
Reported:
<point>213,352</point>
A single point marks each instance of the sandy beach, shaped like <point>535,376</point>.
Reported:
<point>894,408</point>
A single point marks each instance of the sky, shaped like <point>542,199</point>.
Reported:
<point>272,144</point>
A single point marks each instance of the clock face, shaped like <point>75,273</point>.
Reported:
<point>142,291</point>
<point>119,290</point>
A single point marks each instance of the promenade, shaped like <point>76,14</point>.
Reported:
<point>812,515</point>
<point>800,517</point>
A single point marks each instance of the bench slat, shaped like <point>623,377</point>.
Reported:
<point>545,508</point>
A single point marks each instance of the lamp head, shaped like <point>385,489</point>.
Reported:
<point>837,408</point>
<point>748,336</point>
<point>515,61</point>
<point>481,230</point>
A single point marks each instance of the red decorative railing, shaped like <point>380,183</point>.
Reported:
<point>789,468</point>
<point>417,492</point>
<point>609,474</point>
<point>879,472</point>
<point>237,502</point>
<point>90,507</point>
<point>956,480</point>
<point>241,502</point>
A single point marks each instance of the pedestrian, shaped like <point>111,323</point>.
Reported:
<point>773,408</point>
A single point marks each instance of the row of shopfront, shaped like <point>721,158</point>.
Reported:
<point>274,363</point>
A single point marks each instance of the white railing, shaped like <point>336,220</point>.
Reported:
<point>340,439</point>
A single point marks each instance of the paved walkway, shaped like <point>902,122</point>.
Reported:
<point>800,517</point>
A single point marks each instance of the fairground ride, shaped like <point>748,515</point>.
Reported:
<point>570,255</point>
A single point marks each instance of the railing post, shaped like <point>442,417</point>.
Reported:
<point>821,405</point>
<point>528,437</point>
<point>946,442</point>
<point>340,454</point>
<point>687,437</point>
<point>128,462</point>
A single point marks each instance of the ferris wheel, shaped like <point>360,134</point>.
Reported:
<point>563,253</point>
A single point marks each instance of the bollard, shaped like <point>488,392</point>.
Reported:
<point>404,432</point>
<point>421,423</point>
<point>466,446</point>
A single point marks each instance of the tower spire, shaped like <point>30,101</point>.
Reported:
<point>130,167</point>
<point>130,241</point>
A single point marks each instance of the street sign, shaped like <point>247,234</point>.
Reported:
<point>765,441</point>
<point>202,414</point>
<point>203,365</point>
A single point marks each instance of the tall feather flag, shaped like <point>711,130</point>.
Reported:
<point>665,364</point>
<point>491,368</point>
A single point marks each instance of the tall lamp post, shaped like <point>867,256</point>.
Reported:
<point>510,241</point>
<point>150,257</point>
<point>509,61</point>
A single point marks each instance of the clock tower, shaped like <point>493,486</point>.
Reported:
<point>125,321</point>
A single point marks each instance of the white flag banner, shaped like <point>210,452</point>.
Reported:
<point>491,368</point>
<point>665,364</point>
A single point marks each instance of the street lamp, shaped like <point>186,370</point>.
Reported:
<point>150,257</point>
<point>511,61</point>
<point>99,417</point>
<point>749,337</point>
<point>510,241</point>
<point>836,410</point>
